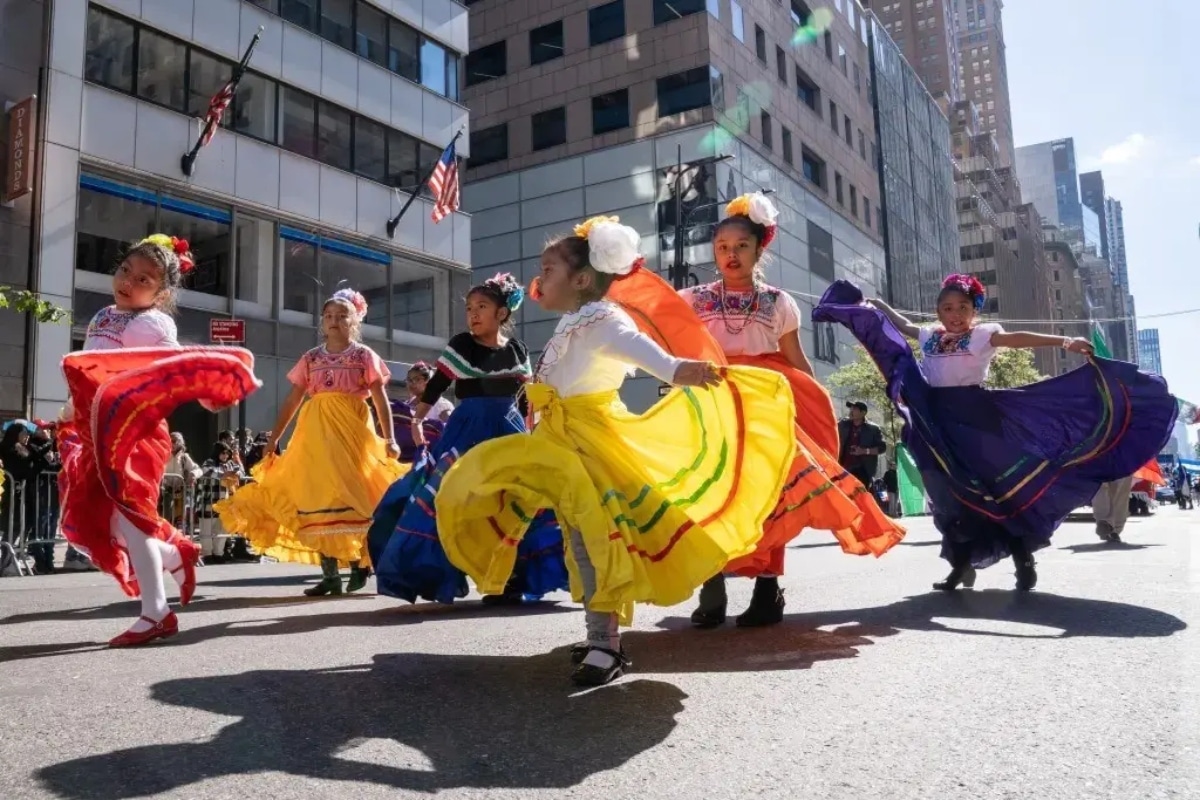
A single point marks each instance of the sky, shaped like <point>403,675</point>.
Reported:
<point>1119,78</point>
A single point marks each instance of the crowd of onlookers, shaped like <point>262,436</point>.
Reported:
<point>29,505</point>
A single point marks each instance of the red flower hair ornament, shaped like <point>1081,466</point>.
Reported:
<point>353,300</point>
<point>968,285</point>
<point>180,247</point>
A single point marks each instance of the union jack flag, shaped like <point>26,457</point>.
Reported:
<point>444,185</point>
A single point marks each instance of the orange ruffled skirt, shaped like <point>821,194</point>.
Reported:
<point>818,492</point>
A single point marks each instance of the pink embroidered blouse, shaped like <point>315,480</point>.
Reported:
<point>351,371</point>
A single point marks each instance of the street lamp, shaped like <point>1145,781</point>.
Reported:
<point>677,274</point>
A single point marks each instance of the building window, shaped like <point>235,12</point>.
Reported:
<point>848,130</point>
<point>206,75</point>
<point>334,137</point>
<point>109,217</point>
<point>161,65</point>
<point>299,265</point>
<point>781,64</point>
<point>862,144</point>
<point>412,298</point>
<point>866,211</point>
<point>549,128</point>
<point>487,63</point>
<point>1056,276</point>
<point>760,43</point>
<point>684,91</point>
<point>404,52</point>
<point>606,22</point>
<point>300,12</point>
<point>337,22</point>
<point>717,85</point>
<point>298,122</point>
<point>842,62</point>
<point>110,48</point>
<point>714,8</point>
<point>668,10</point>
<point>854,202</point>
<point>438,72</point>
<point>546,43</point>
<point>255,242</point>
<point>610,112</point>
<point>767,137</point>
<point>828,45</point>
<point>737,21</point>
<point>254,107</point>
<point>833,116</point>
<point>857,78</point>
<point>371,34</point>
<point>825,342</point>
<point>786,138</point>
<point>489,145</point>
<point>807,90</point>
<point>838,192</point>
<point>813,168</point>
<point>370,149</point>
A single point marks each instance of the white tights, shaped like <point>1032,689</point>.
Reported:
<point>149,558</point>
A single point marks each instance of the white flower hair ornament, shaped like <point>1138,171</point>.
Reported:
<point>759,209</point>
<point>612,247</point>
<point>352,300</point>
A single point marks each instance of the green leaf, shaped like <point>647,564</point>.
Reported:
<point>23,301</point>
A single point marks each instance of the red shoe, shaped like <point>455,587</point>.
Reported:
<point>188,587</point>
<point>167,626</point>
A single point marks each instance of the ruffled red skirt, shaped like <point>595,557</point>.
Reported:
<point>818,492</point>
<point>116,446</point>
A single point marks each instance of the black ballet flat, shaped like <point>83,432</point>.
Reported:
<point>959,576</point>
<point>589,675</point>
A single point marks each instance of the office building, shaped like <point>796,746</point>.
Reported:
<point>1091,191</point>
<point>1114,230</point>
<point>921,233</point>
<point>983,77</point>
<point>582,108</point>
<point>340,116</point>
<point>1000,238</point>
<point>1049,181</point>
<point>1149,353</point>
<point>923,30</point>
<point>1068,302</point>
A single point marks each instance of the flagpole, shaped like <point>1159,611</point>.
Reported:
<point>188,162</point>
<point>395,221</point>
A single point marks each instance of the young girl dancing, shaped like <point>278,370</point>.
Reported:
<point>488,369</point>
<point>759,325</point>
<point>114,441</point>
<point>402,416</point>
<point>313,504</point>
<point>1003,468</point>
<point>653,505</point>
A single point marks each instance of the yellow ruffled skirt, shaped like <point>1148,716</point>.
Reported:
<point>663,500</point>
<point>318,497</point>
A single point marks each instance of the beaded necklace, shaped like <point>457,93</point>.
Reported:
<point>745,317</point>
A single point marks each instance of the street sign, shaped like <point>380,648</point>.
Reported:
<point>664,389</point>
<point>227,331</point>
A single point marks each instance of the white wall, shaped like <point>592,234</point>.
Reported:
<point>90,124</point>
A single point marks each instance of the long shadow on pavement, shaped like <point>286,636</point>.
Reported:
<point>300,624</point>
<point>1074,616</point>
<point>1101,547</point>
<point>480,721</point>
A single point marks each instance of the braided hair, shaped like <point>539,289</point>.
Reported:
<point>173,257</point>
<point>506,292</point>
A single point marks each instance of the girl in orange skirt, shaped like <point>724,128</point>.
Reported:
<point>745,321</point>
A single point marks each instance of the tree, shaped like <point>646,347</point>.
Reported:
<point>23,301</point>
<point>860,380</point>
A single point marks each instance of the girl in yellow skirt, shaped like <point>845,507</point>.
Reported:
<point>651,505</point>
<point>313,504</point>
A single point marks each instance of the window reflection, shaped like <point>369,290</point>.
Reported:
<point>160,75</point>
<point>109,51</point>
<point>300,282</point>
<point>433,66</point>
<point>207,231</point>
<point>255,260</point>
<point>412,298</point>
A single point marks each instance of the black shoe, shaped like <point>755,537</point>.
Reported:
<point>713,602</point>
<point>358,578</point>
<point>1026,575</point>
<point>766,606</point>
<point>511,596</point>
<point>588,675</point>
<point>959,576</point>
<point>1115,538</point>
<point>331,583</point>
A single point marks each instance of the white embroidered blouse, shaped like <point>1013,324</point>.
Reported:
<point>113,329</point>
<point>963,360</point>
<point>595,348</point>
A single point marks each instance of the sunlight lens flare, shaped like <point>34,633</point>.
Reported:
<point>818,22</point>
<point>752,98</point>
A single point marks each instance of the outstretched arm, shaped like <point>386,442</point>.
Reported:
<point>899,320</point>
<point>1020,339</point>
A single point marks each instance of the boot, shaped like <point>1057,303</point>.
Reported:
<point>358,577</point>
<point>962,575</point>
<point>766,605</point>
<point>713,601</point>
<point>1026,572</point>
<point>331,583</point>
<point>512,595</point>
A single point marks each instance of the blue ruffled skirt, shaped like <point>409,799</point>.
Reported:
<point>1004,467</point>
<point>403,540</point>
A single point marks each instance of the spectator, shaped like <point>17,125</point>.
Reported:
<point>221,476</point>
<point>181,474</point>
<point>862,444</point>
<point>891,482</point>
<point>22,465</point>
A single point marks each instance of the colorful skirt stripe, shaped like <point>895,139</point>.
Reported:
<point>318,497</point>
<point>116,446</point>
<point>1012,463</point>
<point>410,562</point>
<point>817,493</point>
<point>662,500</point>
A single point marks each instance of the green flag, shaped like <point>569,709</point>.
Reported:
<point>1098,343</point>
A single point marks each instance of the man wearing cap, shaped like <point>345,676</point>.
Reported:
<point>862,444</point>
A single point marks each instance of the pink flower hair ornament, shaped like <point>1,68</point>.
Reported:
<point>968,285</point>
<point>352,300</point>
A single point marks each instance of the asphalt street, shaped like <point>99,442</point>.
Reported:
<point>874,687</point>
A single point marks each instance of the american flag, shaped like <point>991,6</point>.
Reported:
<point>216,109</point>
<point>444,185</point>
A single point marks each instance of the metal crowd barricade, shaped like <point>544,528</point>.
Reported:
<point>29,512</point>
